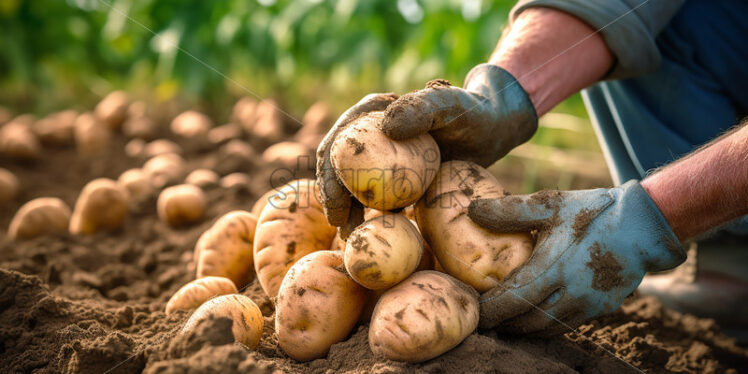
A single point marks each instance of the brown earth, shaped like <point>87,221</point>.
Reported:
<point>95,304</point>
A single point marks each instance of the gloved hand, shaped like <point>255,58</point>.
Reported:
<point>593,249</point>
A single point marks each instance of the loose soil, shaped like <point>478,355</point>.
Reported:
<point>95,304</point>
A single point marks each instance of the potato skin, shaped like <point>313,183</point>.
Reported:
<point>195,293</point>
<point>318,305</point>
<point>291,225</point>
<point>180,205</point>
<point>225,249</point>
<point>465,250</point>
<point>245,314</point>
<point>383,251</point>
<point>424,316</point>
<point>39,216</point>
<point>382,173</point>
<point>102,205</point>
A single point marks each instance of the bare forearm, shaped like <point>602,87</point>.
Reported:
<point>706,188</point>
<point>553,55</point>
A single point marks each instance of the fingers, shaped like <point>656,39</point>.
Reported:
<point>521,213</point>
<point>502,302</point>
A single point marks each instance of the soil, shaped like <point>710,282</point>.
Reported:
<point>94,304</point>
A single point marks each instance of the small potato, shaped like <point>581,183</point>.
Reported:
<point>317,120</point>
<point>243,112</point>
<point>180,205</point>
<point>202,178</point>
<point>134,148</point>
<point>382,173</point>
<point>224,133</point>
<point>139,123</point>
<point>9,186</point>
<point>165,169</point>
<point>38,217</point>
<point>262,201</point>
<point>17,141</point>
<point>225,249</point>
<point>191,124</point>
<point>383,251</point>
<point>266,123</point>
<point>291,225</point>
<point>245,314</point>
<point>112,109</point>
<point>195,293</point>
<point>289,155</point>
<point>467,251</point>
<point>235,156</point>
<point>56,128</point>
<point>160,147</point>
<point>426,315</point>
<point>137,183</point>
<point>102,205</point>
<point>92,137</point>
<point>318,305</point>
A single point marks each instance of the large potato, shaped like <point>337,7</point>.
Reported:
<point>426,315</point>
<point>180,205</point>
<point>38,217</point>
<point>383,251</point>
<point>195,293</point>
<point>318,305</point>
<point>102,205</point>
<point>467,251</point>
<point>9,186</point>
<point>243,312</point>
<point>291,225</point>
<point>382,173</point>
<point>225,249</point>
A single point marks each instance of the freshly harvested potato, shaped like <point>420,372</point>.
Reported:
<point>202,178</point>
<point>266,123</point>
<point>191,124</point>
<point>235,156</point>
<point>137,183</point>
<point>9,186</point>
<point>338,244</point>
<point>243,312</point>
<point>383,251</point>
<point>240,181</point>
<point>467,251</point>
<point>181,204</point>
<point>427,314</point>
<point>139,123</point>
<point>56,128</point>
<point>262,201</point>
<point>382,173</point>
<point>225,249</point>
<point>112,109</point>
<point>224,133</point>
<point>164,169</point>
<point>92,137</point>
<point>291,225</point>
<point>102,205</point>
<point>289,155</point>
<point>160,147</point>
<point>38,217</point>
<point>195,293</point>
<point>318,305</point>
<point>17,141</point>
<point>134,148</point>
<point>243,112</point>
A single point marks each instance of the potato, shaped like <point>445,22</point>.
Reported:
<point>137,183</point>
<point>236,181</point>
<point>38,217</point>
<point>383,251</point>
<point>243,312</point>
<point>243,112</point>
<point>317,120</point>
<point>195,293</point>
<point>427,314</point>
<point>225,249</point>
<point>338,244</point>
<point>112,109</point>
<point>181,204</point>
<point>9,186</point>
<point>291,225</point>
<point>318,305</point>
<point>382,173</point>
<point>102,205</point>
<point>139,123</point>
<point>224,133</point>
<point>266,123</point>
<point>467,251</point>
<point>165,169</point>
<point>17,141</point>
<point>289,155</point>
<point>202,178</point>
<point>161,147</point>
<point>92,137</point>
<point>56,128</point>
<point>134,148</point>
<point>191,124</point>
<point>262,201</point>
<point>235,156</point>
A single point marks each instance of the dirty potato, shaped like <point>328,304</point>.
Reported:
<point>102,205</point>
<point>195,293</point>
<point>180,205</point>
<point>467,251</point>
<point>383,251</point>
<point>243,312</point>
<point>291,225</point>
<point>225,249</point>
<point>427,314</point>
<point>38,217</point>
<point>382,173</point>
<point>318,305</point>
<point>9,186</point>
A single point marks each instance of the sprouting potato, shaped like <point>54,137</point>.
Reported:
<point>112,109</point>
<point>243,312</point>
<point>181,204</point>
<point>202,178</point>
<point>101,205</point>
<point>382,173</point>
<point>225,249</point>
<point>383,251</point>
<point>164,169</point>
<point>9,186</point>
<point>17,141</point>
<point>92,137</point>
<point>291,225</point>
<point>137,183</point>
<point>38,217</point>
<point>191,124</point>
<point>318,305</point>
<point>424,316</point>
<point>195,293</point>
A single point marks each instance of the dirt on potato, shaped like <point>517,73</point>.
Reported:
<point>95,304</point>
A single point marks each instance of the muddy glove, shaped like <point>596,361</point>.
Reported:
<point>340,207</point>
<point>593,248</point>
<point>481,122</point>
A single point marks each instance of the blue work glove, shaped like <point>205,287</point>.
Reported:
<point>593,248</point>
